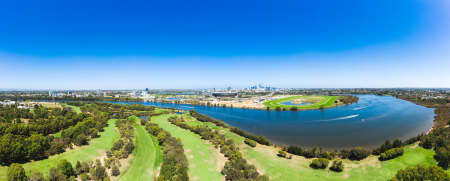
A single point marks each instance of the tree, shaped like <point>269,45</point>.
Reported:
<point>281,153</point>
<point>37,176</point>
<point>81,139</point>
<point>337,166</point>
<point>431,173</point>
<point>278,108</point>
<point>99,172</point>
<point>443,157</point>
<point>319,163</point>
<point>65,168</point>
<point>390,154</point>
<point>129,147</point>
<point>161,137</point>
<point>250,142</point>
<point>357,153</point>
<point>78,169</point>
<point>115,170</point>
<point>16,173</point>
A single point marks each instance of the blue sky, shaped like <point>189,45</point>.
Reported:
<point>200,44</point>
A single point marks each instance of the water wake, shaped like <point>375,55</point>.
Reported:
<point>359,108</point>
<point>340,118</point>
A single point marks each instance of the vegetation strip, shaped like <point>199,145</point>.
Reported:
<point>236,168</point>
<point>203,118</point>
<point>205,163</point>
<point>147,157</point>
<point>175,164</point>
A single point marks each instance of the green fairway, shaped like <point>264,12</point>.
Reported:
<point>74,108</point>
<point>297,168</point>
<point>96,148</point>
<point>205,162</point>
<point>147,157</point>
<point>316,102</point>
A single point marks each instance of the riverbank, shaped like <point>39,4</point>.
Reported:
<point>278,103</point>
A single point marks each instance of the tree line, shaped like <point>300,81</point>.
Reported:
<point>175,164</point>
<point>203,118</point>
<point>236,167</point>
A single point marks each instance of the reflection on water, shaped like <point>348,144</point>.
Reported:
<point>367,123</point>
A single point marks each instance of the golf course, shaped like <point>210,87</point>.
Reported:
<point>207,161</point>
<point>304,102</point>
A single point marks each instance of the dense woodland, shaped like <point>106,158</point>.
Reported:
<point>22,141</point>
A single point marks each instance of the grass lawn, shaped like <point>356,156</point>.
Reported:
<point>147,157</point>
<point>317,102</point>
<point>370,168</point>
<point>205,162</point>
<point>74,108</point>
<point>96,147</point>
<point>297,168</point>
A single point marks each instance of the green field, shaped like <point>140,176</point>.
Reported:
<point>297,168</point>
<point>96,148</point>
<point>370,168</point>
<point>205,162</point>
<point>74,108</point>
<point>316,101</point>
<point>147,157</point>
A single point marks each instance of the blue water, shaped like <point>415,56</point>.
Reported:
<point>367,123</point>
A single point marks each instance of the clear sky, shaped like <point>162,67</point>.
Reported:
<point>112,44</point>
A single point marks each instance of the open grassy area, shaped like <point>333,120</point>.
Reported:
<point>74,108</point>
<point>147,157</point>
<point>297,168</point>
<point>265,159</point>
<point>205,162</point>
<point>96,148</point>
<point>316,102</point>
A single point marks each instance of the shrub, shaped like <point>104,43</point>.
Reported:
<point>319,163</point>
<point>16,173</point>
<point>432,173</point>
<point>81,140</point>
<point>84,177</point>
<point>293,108</point>
<point>65,168</point>
<point>260,139</point>
<point>37,176</point>
<point>390,154</point>
<point>129,147</point>
<point>443,157</point>
<point>357,153</point>
<point>281,153</point>
<point>278,108</point>
<point>250,142</point>
<point>337,166</point>
<point>115,170</point>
